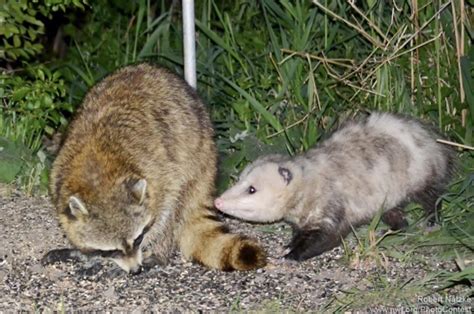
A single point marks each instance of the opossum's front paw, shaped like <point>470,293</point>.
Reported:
<point>285,250</point>
<point>294,255</point>
<point>309,243</point>
<point>280,262</point>
<point>62,255</point>
<point>301,253</point>
<point>301,247</point>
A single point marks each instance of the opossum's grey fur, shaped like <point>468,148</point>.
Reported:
<point>382,162</point>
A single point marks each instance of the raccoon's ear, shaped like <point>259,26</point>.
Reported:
<point>286,174</point>
<point>77,207</point>
<point>138,190</point>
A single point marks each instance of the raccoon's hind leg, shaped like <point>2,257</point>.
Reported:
<point>395,218</point>
<point>309,243</point>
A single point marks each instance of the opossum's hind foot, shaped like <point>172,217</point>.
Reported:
<point>432,211</point>
<point>309,243</point>
<point>63,255</point>
<point>429,200</point>
<point>395,219</point>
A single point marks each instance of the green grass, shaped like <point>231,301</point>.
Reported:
<point>450,243</point>
<point>279,75</point>
<point>32,105</point>
<point>412,295</point>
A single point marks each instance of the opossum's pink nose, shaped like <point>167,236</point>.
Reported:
<point>218,203</point>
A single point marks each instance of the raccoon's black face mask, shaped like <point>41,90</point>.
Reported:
<point>116,230</point>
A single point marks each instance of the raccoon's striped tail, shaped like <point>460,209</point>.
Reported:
<point>206,240</point>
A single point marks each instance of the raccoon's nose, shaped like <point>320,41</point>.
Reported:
<point>136,270</point>
<point>218,203</point>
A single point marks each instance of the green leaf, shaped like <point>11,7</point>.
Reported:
<point>257,105</point>
<point>16,41</point>
<point>152,40</point>
<point>47,100</point>
<point>468,84</point>
<point>217,39</point>
<point>40,74</point>
<point>11,160</point>
<point>49,130</point>
<point>20,93</point>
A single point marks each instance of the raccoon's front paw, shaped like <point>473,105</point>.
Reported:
<point>116,272</point>
<point>62,255</point>
<point>96,269</point>
<point>90,269</point>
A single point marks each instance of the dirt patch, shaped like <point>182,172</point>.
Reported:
<point>29,230</point>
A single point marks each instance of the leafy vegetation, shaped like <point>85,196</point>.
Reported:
<point>277,75</point>
<point>33,95</point>
<point>23,24</point>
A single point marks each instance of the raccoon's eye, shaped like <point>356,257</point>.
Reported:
<point>138,240</point>
<point>251,190</point>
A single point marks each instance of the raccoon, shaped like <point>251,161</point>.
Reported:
<point>382,162</point>
<point>134,177</point>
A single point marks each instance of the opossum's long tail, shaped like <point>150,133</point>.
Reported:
<point>208,241</point>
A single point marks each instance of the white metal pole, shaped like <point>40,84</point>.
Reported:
<point>189,43</point>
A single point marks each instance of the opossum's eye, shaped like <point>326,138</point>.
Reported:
<point>251,190</point>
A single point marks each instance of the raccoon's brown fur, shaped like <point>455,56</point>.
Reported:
<point>136,173</point>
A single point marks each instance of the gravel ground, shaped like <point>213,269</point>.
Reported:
<point>29,230</point>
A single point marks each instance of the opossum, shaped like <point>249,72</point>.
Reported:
<point>381,162</point>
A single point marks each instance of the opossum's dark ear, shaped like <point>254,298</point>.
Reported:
<point>286,174</point>
<point>138,190</point>
<point>77,207</point>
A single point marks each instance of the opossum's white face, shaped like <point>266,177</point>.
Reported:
<point>260,195</point>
